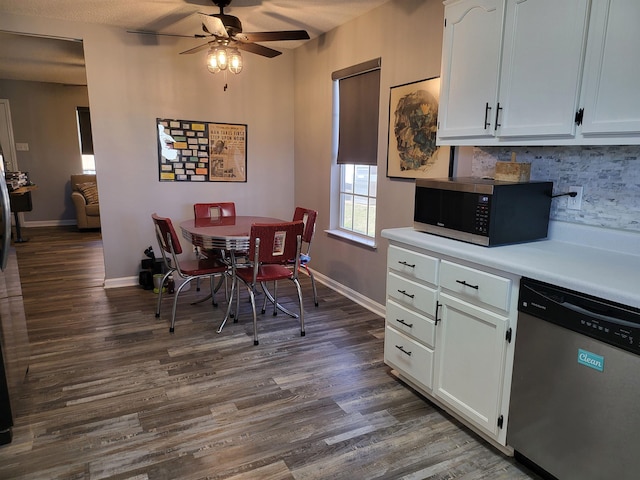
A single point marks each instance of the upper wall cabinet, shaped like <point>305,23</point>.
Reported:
<point>612,70</point>
<point>470,63</point>
<point>541,67</point>
<point>514,72</point>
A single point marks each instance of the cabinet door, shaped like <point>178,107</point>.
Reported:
<point>470,359</point>
<point>611,95</point>
<point>470,61</point>
<point>541,67</point>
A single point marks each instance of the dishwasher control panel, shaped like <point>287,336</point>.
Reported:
<point>603,320</point>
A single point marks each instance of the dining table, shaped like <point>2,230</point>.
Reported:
<point>231,235</point>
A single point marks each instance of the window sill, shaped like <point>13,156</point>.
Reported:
<point>354,238</point>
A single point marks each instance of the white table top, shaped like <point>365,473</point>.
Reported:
<point>586,259</point>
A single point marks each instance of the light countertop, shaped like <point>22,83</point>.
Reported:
<point>592,260</point>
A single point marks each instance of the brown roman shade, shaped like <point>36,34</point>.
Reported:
<point>359,98</point>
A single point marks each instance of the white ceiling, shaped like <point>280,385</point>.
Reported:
<point>60,61</point>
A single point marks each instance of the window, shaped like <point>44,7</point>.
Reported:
<point>358,92</point>
<point>86,139</point>
<point>358,198</point>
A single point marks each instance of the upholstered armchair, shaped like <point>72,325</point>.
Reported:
<point>84,194</point>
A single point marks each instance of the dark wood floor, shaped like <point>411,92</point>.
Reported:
<point>111,394</point>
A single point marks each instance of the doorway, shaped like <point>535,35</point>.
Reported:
<point>45,84</point>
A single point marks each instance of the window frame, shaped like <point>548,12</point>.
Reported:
<point>342,226</point>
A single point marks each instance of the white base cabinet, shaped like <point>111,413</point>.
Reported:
<point>448,333</point>
<point>469,367</point>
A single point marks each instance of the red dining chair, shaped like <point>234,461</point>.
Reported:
<point>270,248</point>
<point>213,210</point>
<point>308,216</point>
<point>186,269</point>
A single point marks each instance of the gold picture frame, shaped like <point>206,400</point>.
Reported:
<point>413,120</point>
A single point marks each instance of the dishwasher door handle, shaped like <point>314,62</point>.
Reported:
<point>584,311</point>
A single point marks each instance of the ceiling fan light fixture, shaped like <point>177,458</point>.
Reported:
<point>235,61</point>
<point>222,58</point>
<point>212,61</point>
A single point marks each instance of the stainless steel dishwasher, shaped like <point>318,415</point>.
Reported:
<point>575,395</point>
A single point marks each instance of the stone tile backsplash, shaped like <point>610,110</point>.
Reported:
<point>610,176</point>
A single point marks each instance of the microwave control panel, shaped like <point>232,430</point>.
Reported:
<point>482,215</point>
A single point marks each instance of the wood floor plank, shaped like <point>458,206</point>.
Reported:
<point>111,394</point>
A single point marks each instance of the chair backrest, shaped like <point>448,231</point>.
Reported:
<point>79,178</point>
<point>167,237</point>
<point>308,216</point>
<point>214,210</point>
<point>276,242</point>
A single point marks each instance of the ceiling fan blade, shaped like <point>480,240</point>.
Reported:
<point>214,25</point>
<point>196,49</point>
<point>276,36</point>
<point>141,32</point>
<point>258,49</point>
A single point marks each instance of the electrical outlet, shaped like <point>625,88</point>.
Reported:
<point>575,203</point>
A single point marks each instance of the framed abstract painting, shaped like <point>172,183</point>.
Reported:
<point>413,123</point>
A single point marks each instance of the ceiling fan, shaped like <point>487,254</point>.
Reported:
<point>224,30</point>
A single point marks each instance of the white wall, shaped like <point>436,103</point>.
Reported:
<point>130,84</point>
<point>407,35</point>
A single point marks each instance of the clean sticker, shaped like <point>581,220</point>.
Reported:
<point>591,360</point>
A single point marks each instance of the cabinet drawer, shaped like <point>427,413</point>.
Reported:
<point>411,323</point>
<point>475,286</point>
<point>411,293</point>
<point>414,264</point>
<point>408,357</point>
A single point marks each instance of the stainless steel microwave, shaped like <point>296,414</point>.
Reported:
<point>483,211</point>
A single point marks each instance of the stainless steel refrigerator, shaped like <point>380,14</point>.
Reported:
<point>14,339</point>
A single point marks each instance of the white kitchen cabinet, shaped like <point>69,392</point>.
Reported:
<point>410,315</point>
<point>541,67</point>
<point>470,361</point>
<point>448,333</point>
<point>511,70</point>
<point>470,63</point>
<point>611,90</point>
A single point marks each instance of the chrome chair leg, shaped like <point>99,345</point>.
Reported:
<point>255,317</point>
<point>214,289</point>
<point>297,283</point>
<point>230,303</point>
<point>166,275</point>
<point>269,296</point>
<point>175,304</point>
<point>313,285</point>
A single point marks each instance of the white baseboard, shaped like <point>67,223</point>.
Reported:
<point>122,282</point>
<point>332,284</point>
<point>49,223</point>
<point>357,297</point>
